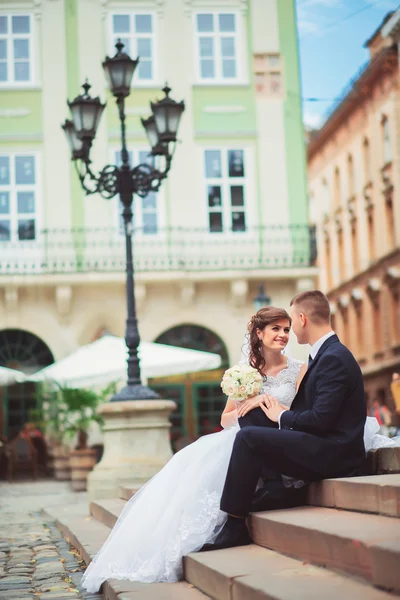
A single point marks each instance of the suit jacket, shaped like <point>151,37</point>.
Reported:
<point>330,404</point>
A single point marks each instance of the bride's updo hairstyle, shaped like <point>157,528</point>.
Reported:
<point>265,316</point>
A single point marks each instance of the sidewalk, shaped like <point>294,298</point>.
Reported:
<point>35,561</point>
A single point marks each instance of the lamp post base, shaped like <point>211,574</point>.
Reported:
<point>135,392</point>
<point>136,445</point>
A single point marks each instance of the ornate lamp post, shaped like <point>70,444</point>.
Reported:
<point>136,425</point>
<point>262,299</point>
<point>161,129</point>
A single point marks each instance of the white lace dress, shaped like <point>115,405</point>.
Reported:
<point>177,511</point>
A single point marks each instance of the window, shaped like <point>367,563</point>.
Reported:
<point>217,47</point>
<point>18,197</point>
<point>337,186</point>
<point>312,208</point>
<point>136,31</point>
<point>145,217</point>
<point>226,190</point>
<point>350,175</point>
<point>16,49</point>
<point>367,160</point>
<point>325,197</point>
<point>386,140</point>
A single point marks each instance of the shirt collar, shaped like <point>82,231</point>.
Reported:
<point>315,347</point>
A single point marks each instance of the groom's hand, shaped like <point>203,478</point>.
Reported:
<point>271,407</point>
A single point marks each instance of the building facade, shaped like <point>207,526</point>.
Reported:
<point>354,183</point>
<point>231,215</point>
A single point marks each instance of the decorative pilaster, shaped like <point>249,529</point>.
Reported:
<point>239,292</point>
<point>188,293</point>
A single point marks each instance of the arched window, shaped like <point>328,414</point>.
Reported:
<point>195,338</point>
<point>25,352</point>
<point>201,401</point>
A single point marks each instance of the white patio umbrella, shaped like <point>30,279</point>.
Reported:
<point>104,361</point>
<point>10,376</point>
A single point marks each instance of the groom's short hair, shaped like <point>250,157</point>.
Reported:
<point>314,304</point>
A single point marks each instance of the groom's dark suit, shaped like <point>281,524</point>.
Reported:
<point>321,436</point>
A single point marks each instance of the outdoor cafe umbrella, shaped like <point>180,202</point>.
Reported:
<point>10,376</point>
<point>104,361</point>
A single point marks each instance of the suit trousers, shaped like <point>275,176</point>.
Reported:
<point>261,449</point>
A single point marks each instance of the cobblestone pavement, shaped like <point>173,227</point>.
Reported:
<point>35,561</point>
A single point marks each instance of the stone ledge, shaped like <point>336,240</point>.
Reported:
<point>348,541</point>
<point>371,494</point>
<point>254,573</point>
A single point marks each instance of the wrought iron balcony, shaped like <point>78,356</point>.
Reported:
<point>56,251</point>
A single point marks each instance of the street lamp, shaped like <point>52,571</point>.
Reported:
<point>262,299</point>
<point>161,129</point>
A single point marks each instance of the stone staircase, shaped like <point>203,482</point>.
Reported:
<point>345,542</point>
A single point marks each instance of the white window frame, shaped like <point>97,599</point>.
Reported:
<point>14,216</point>
<point>387,150</point>
<point>224,182</point>
<point>137,201</point>
<point>12,83</point>
<point>240,41</point>
<point>112,40</point>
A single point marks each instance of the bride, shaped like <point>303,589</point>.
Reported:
<point>177,511</point>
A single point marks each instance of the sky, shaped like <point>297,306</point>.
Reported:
<point>332,34</point>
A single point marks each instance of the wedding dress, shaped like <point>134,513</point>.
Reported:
<point>177,511</point>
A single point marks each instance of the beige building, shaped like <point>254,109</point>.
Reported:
<point>354,186</point>
<point>228,218</point>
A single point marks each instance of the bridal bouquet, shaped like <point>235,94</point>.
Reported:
<point>241,382</point>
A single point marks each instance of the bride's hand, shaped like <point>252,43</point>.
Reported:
<point>247,405</point>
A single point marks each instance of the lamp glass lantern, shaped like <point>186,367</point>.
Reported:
<point>75,144</point>
<point>262,299</point>
<point>119,71</point>
<point>167,115</point>
<point>86,114</point>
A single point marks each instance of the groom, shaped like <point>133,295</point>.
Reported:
<point>320,436</point>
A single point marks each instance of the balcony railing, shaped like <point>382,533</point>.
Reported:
<point>103,250</point>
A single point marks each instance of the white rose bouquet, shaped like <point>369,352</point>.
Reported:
<point>241,382</point>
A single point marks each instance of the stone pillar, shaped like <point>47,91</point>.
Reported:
<point>136,445</point>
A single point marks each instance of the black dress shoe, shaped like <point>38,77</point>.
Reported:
<point>274,496</point>
<point>234,533</point>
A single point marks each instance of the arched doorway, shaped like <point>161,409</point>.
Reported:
<point>25,352</point>
<point>195,337</point>
<point>198,395</point>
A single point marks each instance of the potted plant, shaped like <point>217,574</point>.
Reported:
<point>78,412</point>
<point>71,412</point>
<point>51,422</point>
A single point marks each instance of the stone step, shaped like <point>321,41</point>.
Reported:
<point>254,573</point>
<point>107,511</point>
<point>88,535</point>
<point>127,491</point>
<point>382,461</point>
<point>364,545</point>
<point>127,590</point>
<point>371,494</point>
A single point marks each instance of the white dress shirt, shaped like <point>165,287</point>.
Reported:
<point>313,353</point>
<point>315,347</point>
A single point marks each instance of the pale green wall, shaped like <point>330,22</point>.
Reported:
<point>73,87</point>
<point>223,122</point>
<point>294,133</point>
<point>28,125</point>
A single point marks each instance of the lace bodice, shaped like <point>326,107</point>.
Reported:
<point>283,386</point>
